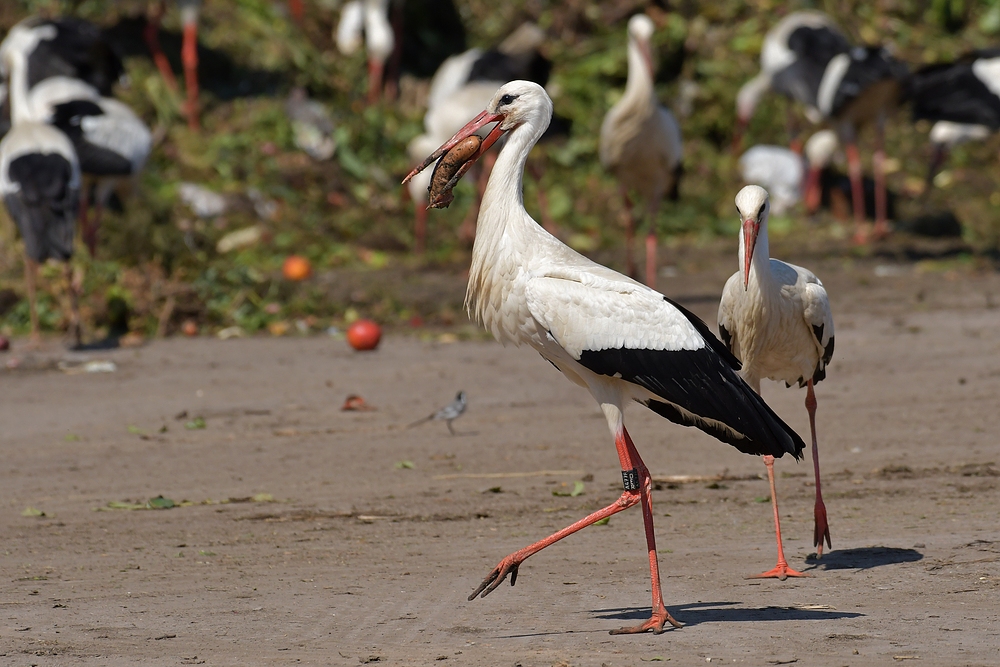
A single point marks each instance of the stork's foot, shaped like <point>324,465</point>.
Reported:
<point>860,235</point>
<point>821,529</point>
<point>780,571</point>
<point>656,622</point>
<point>507,566</point>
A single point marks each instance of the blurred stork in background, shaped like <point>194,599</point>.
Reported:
<point>112,143</point>
<point>368,21</point>
<point>788,176</point>
<point>962,98</point>
<point>641,143</point>
<point>40,187</point>
<point>807,58</point>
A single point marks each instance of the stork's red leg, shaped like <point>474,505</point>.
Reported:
<point>74,306</point>
<point>638,492</point>
<point>374,80</point>
<point>660,616</point>
<point>92,226</point>
<point>629,233</point>
<point>781,570</point>
<point>651,256</point>
<point>881,229</point>
<point>857,192</point>
<point>821,528</point>
<point>189,56</point>
<point>152,36</point>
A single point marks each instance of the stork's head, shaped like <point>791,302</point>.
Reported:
<point>514,104</point>
<point>819,152</point>
<point>753,204</point>
<point>640,32</point>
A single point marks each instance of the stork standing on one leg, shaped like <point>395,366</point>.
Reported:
<point>641,143</point>
<point>40,187</point>
<point>619,339</point>
<point>775,317</point>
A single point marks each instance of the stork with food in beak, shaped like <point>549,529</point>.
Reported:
<point>775,318</point>
<point>621,340</point>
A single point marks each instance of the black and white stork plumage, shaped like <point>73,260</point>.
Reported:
<point>111,141</point>
<point>843,86</point>
<point>793,60</point>
<point>775,317</point>
<point>616,337</point>
<point>40,187</point>
<point>962,98</point>
<point>641,143</point>
<point>67,47</point>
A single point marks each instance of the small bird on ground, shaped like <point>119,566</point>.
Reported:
<point>447,414</point>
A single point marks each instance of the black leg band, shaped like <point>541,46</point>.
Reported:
<point>630,479</point>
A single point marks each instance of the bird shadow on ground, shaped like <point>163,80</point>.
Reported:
<point>864,558</point>
<point>726,612</point>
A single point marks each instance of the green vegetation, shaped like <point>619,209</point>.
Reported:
<point>347,215</point>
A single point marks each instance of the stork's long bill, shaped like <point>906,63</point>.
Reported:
<point>470,128</point>
<point>751,228</point>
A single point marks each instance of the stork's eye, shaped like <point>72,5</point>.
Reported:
<point>761,211</point>
<point>507,99</point>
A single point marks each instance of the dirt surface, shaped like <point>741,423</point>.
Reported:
<point>361,557</point>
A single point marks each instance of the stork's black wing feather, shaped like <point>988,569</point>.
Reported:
<point>94,159</point>
<point>44,209</point>
<point>953,92</point>
<point>701,388</point>
<point>870,65</point>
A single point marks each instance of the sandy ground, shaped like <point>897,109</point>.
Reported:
<point>361,558</point>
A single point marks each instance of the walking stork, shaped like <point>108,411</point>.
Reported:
<point>618,338</point>
<point>641,143</point>
<point>775,317</point>
<point>40,187</point>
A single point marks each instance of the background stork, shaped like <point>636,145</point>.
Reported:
<point>962,97</point>
<point>793,58</point>
<point>641,143</point>
<point>370,19</point>
<point>786,175</point>
<point>112,143</point>
<point>40,187</point>
<point>775,317</point>
<point>621,340</point>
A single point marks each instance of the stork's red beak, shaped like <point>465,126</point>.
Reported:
<point>474,125</point>
<point>751,228</point>
<point>647,55</point>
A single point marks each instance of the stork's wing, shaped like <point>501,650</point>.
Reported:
<point>727,325</point>
<point>817,314</point>
<point>629,331</point>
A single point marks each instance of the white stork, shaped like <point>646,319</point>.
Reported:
<point>775,317</point>
<point>112,143</point>
<point>370,17</point>
<point>619,339</point>
<point>962,97</point>
<point>641,143</point>
<point>64,47</point>
<point>808,59</point>
<point>40,187</point>
<point>785,174</point>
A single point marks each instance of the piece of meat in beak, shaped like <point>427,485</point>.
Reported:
<point>457,155</point>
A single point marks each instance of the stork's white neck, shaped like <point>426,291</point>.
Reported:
<point>760,263</point>
<point>504,226</point>
<point>20,112</point>
<point>639,85</point>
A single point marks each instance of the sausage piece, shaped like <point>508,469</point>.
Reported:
<point>446,168</point>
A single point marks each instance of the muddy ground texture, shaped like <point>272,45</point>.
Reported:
<point>306,534</point>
